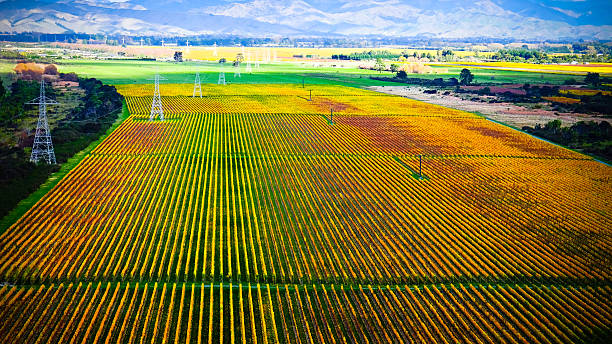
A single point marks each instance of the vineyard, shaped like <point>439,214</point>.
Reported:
<point>254,215</point>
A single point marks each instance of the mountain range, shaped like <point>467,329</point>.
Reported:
<point>527,19</point>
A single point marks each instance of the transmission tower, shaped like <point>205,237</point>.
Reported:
<point>43,146</point>
<point>156,105</point>
<point>197,86</point>
<point>237,71</point>
<point>215,49</point>
<point>221,79</point>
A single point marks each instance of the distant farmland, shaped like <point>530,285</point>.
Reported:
<point>255,214</point>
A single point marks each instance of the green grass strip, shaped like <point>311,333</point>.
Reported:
<point>25,204</point>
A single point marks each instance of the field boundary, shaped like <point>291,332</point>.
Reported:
<point>485,117</point>
<point>589,156</point>
<point>27,203</point>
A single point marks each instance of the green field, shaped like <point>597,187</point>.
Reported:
<point>131,72</point>
<point>136,72</point>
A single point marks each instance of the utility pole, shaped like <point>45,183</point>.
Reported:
<point>197,86</point>
<point>310,98</point>
<point>420,166</point>
<point>43,146</point>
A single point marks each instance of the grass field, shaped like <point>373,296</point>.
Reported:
<point>254,215</point>
<point>129,72</point>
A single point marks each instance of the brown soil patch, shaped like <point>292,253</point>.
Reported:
<point>325,104</point>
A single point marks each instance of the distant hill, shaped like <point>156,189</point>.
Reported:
<point>527,19</point>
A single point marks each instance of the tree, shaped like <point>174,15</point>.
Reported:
<point>50,69</point>
<point>29,71</point>
<point>402,74</point>
<point>394,67</point>
<point>592,79</point>
<point>553,126</point>
<point>570,81</point>
<point>69,77</point>
<point>222,60</point>
<point>2,90</point>
<point>380,65</point>
<point>466,77</point>
<point>486,90</point>
<point>178,56</point>
<point>239,59</point>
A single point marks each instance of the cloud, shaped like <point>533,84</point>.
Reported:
<point>111,4</point>
<point>568,13</point>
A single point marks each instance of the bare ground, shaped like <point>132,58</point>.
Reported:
<point>515,115</point>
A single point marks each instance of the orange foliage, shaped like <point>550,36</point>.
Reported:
<point>33,71</point>
<point>29,71</point>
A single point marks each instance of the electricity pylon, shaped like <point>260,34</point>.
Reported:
<point>221,79</point>
<point>248,68</point>
<point>197,86</point>
<point>156,106</point>
<point>237,71</point>
<point>43,146</point>
<point>215,49</point>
